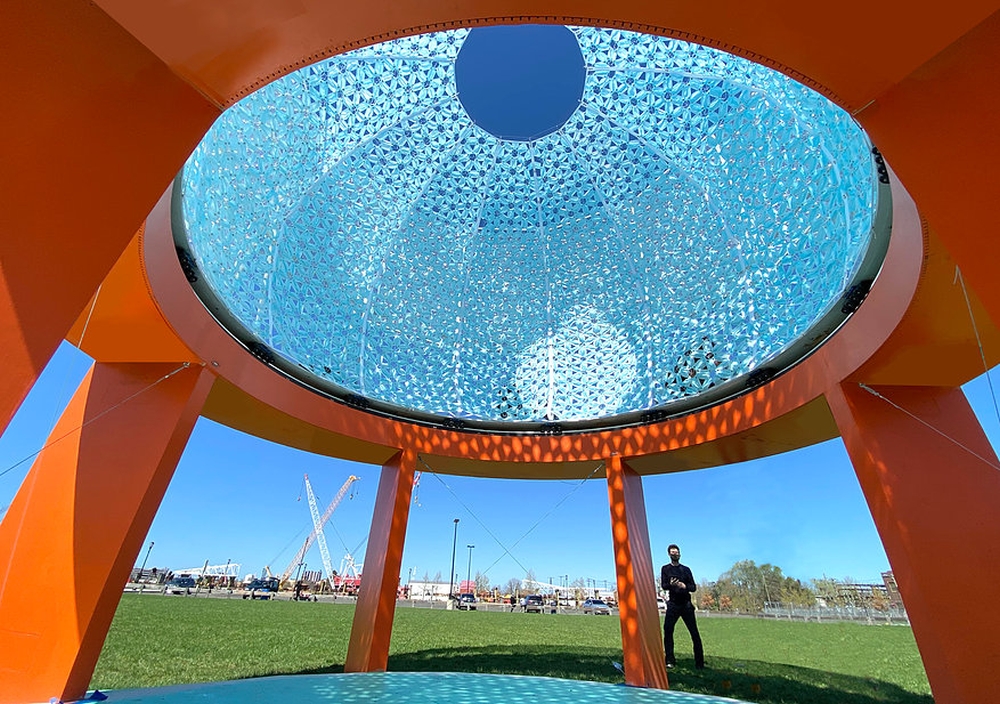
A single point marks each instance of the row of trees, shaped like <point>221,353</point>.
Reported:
<point>748,587</point>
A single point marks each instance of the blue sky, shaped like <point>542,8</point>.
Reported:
<point>237,497</point>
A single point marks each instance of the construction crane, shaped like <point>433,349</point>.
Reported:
<point>349,567</point>
<point>317,533</point>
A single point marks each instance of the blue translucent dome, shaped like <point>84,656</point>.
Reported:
<point>687,230</point>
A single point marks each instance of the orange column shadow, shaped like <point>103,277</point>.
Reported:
<point>642,644</point>
<point>368,650</point>
<point>78,522</point>
<point>932,483</point>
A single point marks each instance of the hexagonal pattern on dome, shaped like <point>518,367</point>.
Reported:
<point>694,218</point>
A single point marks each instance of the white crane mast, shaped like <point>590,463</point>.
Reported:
<point>317,528</point>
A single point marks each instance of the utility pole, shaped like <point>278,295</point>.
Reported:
<point>143,568</point>
<point>201,579</point>
<point>302,565</point>
<point>468,577</point>
<point>451,572</point>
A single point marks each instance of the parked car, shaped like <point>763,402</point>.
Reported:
<point>467,602</point>
<point>179,585</point>
<point>532,602</point>
<point>597,607</point>
<point>261,589</point>
<point>661,603</point>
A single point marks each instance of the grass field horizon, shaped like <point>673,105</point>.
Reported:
<point>157,641</point>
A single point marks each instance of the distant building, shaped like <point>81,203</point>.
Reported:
<point>430,590</point>
<point>152,575</point>
<point>892,590</point>
<point>609,595</point>
<point>881,596</point>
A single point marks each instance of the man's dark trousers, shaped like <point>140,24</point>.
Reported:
<point>686,612</point>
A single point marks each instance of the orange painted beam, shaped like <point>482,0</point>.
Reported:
<point>122,322</point>
<point>93,126</point>
<point>932,481</point>
<point>642,644</point>
<point>79,520</point>
<point>229,48</point>
<point>937,128</point>
<point>368,650</point>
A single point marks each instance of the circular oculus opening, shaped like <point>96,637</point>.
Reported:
<point>520,82</point>
<point>532,229</point>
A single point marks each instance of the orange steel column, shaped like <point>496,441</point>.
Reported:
<point>368,650</point>
<point>79,520</point>
<point>932,482</point>
<point>642,637</point>
<point>93,127</point>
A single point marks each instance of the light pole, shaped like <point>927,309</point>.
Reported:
<point>143,568</point>
<point>468,577</point>
<point>451,572</point>
<point>301,566</point>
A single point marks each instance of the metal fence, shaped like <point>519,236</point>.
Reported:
<point>862,614</point>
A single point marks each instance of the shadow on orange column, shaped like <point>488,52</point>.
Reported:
<point>932,482</point>
<point>642,646</point>
<point>78,522</point>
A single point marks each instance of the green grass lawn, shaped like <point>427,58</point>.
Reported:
<point>158,640</point>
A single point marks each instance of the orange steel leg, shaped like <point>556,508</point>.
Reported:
<point>642,639</point>
<point>94,127</point>
<point>72,534</point>
<point>368,650</point>
<point>932,482</point>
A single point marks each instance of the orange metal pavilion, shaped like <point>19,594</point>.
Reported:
<point>106,99</point>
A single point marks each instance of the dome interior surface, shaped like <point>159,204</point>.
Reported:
<point>692,218</point>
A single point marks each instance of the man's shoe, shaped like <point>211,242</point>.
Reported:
<point>700,666</point>
<point>670,666</point>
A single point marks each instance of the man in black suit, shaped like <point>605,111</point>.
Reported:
<point>678,582</point>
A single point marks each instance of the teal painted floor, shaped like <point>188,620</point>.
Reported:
<point>405,688</point>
